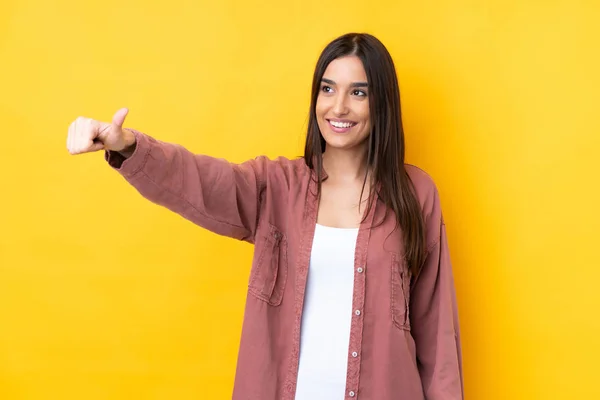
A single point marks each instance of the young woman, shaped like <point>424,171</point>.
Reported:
<point>351,292</point>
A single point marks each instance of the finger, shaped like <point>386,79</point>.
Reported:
<point>75,136</point>
<point>89,133</point>
<point>119,117</point>
<point>84,134</point>
<point>80,129</point>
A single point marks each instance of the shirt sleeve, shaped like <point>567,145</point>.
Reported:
<point>213,193</point>
<point>435,324</point>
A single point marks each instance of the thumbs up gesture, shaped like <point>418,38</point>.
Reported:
<point>88,135</point>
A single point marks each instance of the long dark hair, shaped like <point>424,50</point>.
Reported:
<point>386,142</point>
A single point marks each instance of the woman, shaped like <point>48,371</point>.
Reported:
<point>351,291</point>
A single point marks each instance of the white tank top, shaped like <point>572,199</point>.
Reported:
<point>327,315</point>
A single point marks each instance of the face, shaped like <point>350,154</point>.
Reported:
<point>342,106</point>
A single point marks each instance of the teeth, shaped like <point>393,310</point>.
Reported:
<point>341,124</point>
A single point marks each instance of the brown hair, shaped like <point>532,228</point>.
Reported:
<point>386,142</point>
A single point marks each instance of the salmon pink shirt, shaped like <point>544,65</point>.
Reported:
<point>405,338</point>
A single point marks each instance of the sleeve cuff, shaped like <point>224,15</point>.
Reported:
<point>132,165</point>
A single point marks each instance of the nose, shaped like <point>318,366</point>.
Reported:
<point>340,107</point>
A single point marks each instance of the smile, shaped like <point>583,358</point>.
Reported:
<point>341,126</point>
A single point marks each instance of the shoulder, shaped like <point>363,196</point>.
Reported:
<point>423,183</point>
<point>429,199</point>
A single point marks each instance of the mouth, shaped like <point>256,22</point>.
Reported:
<point>341,126</point>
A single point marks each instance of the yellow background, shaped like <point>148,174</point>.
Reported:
<point>106,296</point>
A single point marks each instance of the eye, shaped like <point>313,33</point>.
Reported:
<point>326,89</point>
<point>359,92</point>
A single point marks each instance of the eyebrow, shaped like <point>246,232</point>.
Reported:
<point>353,84</point>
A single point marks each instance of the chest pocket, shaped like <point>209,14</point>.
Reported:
<point>270,267</point>
<point>400,292</point>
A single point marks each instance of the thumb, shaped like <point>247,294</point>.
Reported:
<point>119,117</point>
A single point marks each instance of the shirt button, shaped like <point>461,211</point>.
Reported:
<point>360,270</point>
<point>354,354</point>
<point>357,312</point>
<point>351,394</point>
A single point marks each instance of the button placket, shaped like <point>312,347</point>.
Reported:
<point>357,325</point>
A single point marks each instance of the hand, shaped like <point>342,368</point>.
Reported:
<point>87,135</point>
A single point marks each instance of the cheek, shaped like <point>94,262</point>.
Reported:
<point>320,113</point>
<point>320,108</point>
<point>365,114</point>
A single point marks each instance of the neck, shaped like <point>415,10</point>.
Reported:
<point>345,165</point>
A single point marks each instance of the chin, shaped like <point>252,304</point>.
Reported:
<point>340,142</point>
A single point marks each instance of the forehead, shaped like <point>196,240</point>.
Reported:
<point>346,70</point>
